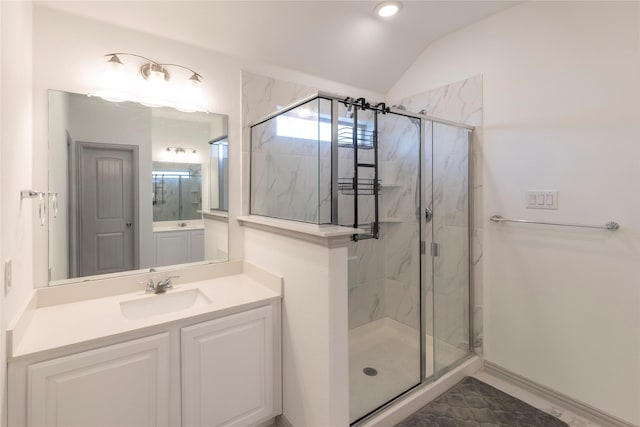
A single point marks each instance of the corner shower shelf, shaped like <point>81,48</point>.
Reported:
<point>364,137</point>
<point>370,232</point>
<point>366,187</point>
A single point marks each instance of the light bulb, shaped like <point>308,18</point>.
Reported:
<point>114,70</point>
<point>192,97</point>
<point>387,8</point>
<point>114,85</point>
<point>155,87</point>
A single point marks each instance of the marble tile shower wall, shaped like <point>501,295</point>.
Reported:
<point>291,177</point>
<point>261,96</point>
<point>366,257</point>
<point>450,228</point>
<point>399,152</point>
<point>385,273</point>
<point>461,102</point>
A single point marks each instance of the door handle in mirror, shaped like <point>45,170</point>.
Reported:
<point>129,225</point>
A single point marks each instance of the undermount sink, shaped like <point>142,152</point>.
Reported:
<point>167,302</point>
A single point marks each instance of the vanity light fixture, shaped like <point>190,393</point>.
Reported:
<point>388,8</point>
<point>153,89</point>
<point>181,150</point>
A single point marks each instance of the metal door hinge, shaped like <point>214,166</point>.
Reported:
<point>435,249</point>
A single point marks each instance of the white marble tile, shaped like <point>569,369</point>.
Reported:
<point>476,275</point>
<point>366,303</point>
<point>462,102</point>
<point>262,95</point>
<point>296,173</point>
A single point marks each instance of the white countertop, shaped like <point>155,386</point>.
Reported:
<point>216,215</point>
<point>326,234</point>
<point>53,326</point>
<point>164,228</point>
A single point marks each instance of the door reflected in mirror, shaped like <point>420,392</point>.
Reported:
<point>131,184</point>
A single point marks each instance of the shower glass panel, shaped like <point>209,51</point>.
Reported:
<point>384,273</point>
<point>176,191</point>
<point>291,164</point>
<point>450,260</point>
<point>403,179</point>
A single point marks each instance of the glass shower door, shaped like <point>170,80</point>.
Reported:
<point>384,273</point>
<point>450,245</point>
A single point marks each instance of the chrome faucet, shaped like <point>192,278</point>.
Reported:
<point>160,287</point>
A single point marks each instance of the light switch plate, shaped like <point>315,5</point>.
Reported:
<point>541,200</point>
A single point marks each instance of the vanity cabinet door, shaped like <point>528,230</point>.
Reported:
<point>171,247</point>
<point>196,245</point>
<point>228,370</point>
<point>119,385</point>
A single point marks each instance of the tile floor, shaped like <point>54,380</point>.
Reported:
<point>536,401</point>
<point>473,403</point>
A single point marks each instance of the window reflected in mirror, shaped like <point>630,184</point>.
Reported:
<point>219,196</point>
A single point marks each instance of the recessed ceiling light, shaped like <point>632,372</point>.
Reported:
<point>388,8</point>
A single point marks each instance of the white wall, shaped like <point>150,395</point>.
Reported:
<point>216,231</point>
<point>561,112</point>
<point>15,164</point>
<point>18,217</point>
<point>315,377</point>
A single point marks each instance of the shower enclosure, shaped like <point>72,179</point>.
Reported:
<point>176,191</point>
<point>401,180</point>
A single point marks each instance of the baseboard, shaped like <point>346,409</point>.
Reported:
<point>282,421</point>
<point>268,423</point>
<point>579,408</point>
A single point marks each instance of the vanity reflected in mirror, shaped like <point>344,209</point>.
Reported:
<point>133,187</point>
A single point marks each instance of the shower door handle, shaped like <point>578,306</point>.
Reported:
<point>428,214</point>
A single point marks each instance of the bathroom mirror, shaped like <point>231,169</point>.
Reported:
<point>133,187</point>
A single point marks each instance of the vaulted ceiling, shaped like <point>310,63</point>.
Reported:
<point>338,40</point>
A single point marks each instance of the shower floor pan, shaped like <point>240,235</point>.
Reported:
<point>392,350</point>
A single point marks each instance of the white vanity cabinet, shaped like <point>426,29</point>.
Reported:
<point>178,247</point>
<point>125,384</point>
<point>209,370</point>
<point>228,370</point>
